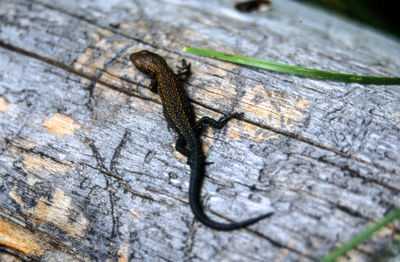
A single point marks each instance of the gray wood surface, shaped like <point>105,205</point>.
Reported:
<point>88,170</point>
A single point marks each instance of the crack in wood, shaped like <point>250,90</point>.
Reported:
<point>117,151</point>
<point>190,238</point>
<point>115,221</point>
<point>68,69</point>
<point>353,173</point>
<point>279,245</point>
<point>322,146</point>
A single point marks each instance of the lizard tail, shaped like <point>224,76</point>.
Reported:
<point>195,185</point>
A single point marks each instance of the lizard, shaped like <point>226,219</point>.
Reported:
<point>180,116</point>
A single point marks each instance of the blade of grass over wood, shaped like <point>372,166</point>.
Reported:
<point>395,214</point>
<point>295,70</point>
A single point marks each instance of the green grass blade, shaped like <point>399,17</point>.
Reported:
<point>295,70</point>
<point>395,214</point>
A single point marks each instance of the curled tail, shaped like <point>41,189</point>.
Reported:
<point>196,181</point>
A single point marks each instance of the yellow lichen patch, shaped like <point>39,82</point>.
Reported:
<point>56,211</point>
<point>252,132</point>
<point>273,107</point>
<point>135,214</point>
<point>3,104</point>
<point>31,181</point>
<point>36,163</point>
<point>112,79</point>
<point>219,72</point>
<point>215,84</point>
<point>19,238</point>
<point>141,27</point>
<point>61,124</point>
<point>58,214</point>
<point>303,103</point>
<point>248,130</point>
<point>229,66</point>
<point>123,253</point>
<point>84,58</point>
<point>397,117</point>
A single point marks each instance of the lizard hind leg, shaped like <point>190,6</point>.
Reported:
<point>207,121</point>
<point>180,146</point>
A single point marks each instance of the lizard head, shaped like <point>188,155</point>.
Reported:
<point>146,61</point>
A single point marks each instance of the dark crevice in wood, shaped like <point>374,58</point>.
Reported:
<point>17,256</point>
<point>68,69</point>
<point>117,151</point>
<point>344,209</point>
<point>126,187</point>
<point>353,173</point>
<point>111,195</point>
<point>190,238</point>
<point>350,211</point>
<point>279,245</point>
<point>168,195</point>
<point>322,146</point>
<point>43,155</point>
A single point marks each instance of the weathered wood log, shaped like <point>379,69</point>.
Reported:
<point>88,170</point>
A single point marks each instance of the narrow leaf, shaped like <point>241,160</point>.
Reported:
<point>395,214</point>
<point>295,70</point>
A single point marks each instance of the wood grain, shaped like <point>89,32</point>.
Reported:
<point>88,170</point>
